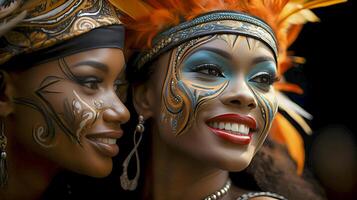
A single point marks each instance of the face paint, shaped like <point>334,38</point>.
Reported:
<point>42,134</point>
<point>86,116</point>
<point>259,79</point>
<point>183,97</point>
<point>70,115</point>
<point>223,77</point>
<point>73,118</point>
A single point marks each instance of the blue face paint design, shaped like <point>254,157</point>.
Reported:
<point>192,80</point>
<point>207,67</point>
<point>262,75</point>
<point>202,75</point>
<point>260,79</point>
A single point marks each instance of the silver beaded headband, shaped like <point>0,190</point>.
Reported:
<point>218,22</point>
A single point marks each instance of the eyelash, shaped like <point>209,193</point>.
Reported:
<point>90,82</point>
<point>209,68</point>
<point>271,78</point>
<point>117,84</point>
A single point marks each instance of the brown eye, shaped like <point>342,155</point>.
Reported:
<point>89,82</point>
<point>91,85</point>
<point>263,78</point>
<point>120,87</point>
<point>210,69</point>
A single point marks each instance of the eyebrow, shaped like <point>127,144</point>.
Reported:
<point>262,59</point>
<point>218,51</point>
<point>98,65</point>
<point>227,55</point>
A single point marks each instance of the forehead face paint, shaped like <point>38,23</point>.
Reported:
<point>182,96</point>
<point>67,109</point>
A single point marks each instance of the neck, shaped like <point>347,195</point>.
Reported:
<point>29,176</point>
<point>175,175</point>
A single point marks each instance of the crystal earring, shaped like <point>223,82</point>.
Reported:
<point>125,182</point>
<point>3,155</point>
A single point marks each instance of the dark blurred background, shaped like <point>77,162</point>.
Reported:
<point>329,78</point>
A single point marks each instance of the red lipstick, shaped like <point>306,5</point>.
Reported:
<point>235,128</point>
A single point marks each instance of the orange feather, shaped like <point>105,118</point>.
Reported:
<point>288,87</point>
<point>284,132</point>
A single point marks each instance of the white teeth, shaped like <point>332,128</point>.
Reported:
<point>227,126</point>
<point>107,140</point>
<point>221,125</point>
<point>234,127</point>
<point>215,124</point>
<point>241,128</point>
<point>246,129</point>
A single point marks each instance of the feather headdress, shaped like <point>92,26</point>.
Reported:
<point>145,19</point>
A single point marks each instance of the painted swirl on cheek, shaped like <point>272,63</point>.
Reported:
<point>42,134</point>
<point>268,107</point>
<point>77,115</point>
<point>181,98</point>
<point>176,106</point>
<point>85,117</point>
<point>73,117</point>
<point>67,117</point>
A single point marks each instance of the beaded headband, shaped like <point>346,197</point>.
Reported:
<point>218,22</point>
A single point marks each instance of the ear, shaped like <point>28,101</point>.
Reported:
<point>6,94</point>
<point>142,100</point>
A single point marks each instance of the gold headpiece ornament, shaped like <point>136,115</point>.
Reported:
<point>49,22</point>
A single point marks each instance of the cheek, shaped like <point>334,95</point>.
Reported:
<point>270,105</point>
<point>267,106</point>
<point>27,120</point>
<point>183,98</point>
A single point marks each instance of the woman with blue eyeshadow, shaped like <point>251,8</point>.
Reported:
<point>62,88</point>
<point>202,85</point>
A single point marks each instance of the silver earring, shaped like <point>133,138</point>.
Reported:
<point>125,182</point>
<point>3,155</point>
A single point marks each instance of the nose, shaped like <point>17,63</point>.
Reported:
<point>117,113</point>
<point>238,94</point>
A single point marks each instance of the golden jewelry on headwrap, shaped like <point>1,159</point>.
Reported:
<point>7,7</point>
<point>51,22</point>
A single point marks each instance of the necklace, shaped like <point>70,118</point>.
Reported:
<point>250,195</point>
<point>219,193</point>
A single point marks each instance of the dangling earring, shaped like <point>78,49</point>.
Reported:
<point>125,182</point>
<point>3,155</point>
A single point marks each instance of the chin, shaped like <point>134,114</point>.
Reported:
<point>235,165</point>
<point>233,162</point>
<point>99,170</point>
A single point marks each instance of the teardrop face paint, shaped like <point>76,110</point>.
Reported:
<point>217,100</point>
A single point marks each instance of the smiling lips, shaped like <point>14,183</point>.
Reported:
<point>105,142</point>
<point>233,127</point>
